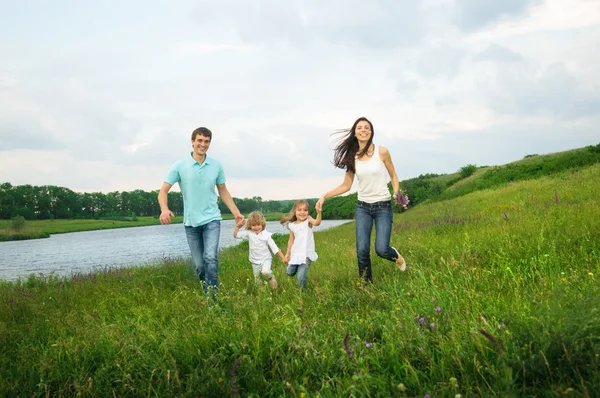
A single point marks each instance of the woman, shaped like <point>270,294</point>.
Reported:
<point>369,162</point>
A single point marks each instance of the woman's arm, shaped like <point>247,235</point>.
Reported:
<point>386,157</point>
<point>340,189</point>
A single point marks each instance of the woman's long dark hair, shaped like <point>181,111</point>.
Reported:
<point>346,150</point>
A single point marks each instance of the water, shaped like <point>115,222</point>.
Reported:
<point>64,254</point>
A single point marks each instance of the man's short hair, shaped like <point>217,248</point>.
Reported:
<point>202,131</point>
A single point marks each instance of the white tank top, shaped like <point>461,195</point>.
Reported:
<point>372,179</point>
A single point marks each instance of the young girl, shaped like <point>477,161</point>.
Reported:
<point>260,241</point>
<point>301,244</point>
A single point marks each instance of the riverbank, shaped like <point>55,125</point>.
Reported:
<point>37,229</point>
<point>500,298</point>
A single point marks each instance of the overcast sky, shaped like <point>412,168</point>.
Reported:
<point>103,96</point>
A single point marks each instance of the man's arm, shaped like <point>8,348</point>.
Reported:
<point>165,213</point>
<point>228,200</point>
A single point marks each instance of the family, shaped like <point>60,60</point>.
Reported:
<point>199,174</point>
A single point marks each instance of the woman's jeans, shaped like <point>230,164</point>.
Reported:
<point>300,270</point>
<point>366,213</point>
<point>204,245</point>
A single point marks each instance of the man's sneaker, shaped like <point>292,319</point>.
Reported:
<point>400,261</point>
<point>273,282</point>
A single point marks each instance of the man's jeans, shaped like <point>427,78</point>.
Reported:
<point>366,213</point>
<point>300,270</point>
<point>204,245</point>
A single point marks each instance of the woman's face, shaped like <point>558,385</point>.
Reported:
<point>362,132</point>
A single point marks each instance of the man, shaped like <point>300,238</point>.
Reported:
<point>198,175</point>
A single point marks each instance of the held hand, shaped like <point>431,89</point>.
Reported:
<point>165,217</point>
<point>287,258</point>
<point>319,204</point>
<point>239,220</point>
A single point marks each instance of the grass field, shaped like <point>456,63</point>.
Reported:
<point>501,298</point>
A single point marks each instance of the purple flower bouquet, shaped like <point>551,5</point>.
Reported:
<point>402,200</point>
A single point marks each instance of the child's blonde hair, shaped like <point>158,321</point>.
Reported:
<point>256,218</point>
<point>291,217</point>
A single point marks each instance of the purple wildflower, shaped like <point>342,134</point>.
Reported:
<point>432,325</point>
<point>426,396</point>
<point>438,309</point>
<point>422,321</point>
<point>368,344</point>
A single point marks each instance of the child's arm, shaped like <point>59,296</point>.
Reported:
<point>237,229</point>
<point>289,248</point>
<point>316,222</point>
<point>282,257</point>
<point>275,249</point>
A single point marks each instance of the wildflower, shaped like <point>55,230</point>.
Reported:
<point>453,382</point>
<point>432,325</point>
<point>368,344</point>
<point>220,380</point>
<point>422,321</point>
<point>501,326</point>
<point>426,396</point>
<point>401,387</point>
<point>420,349</point>
<point>458,396</point>
<point>302,394</point>
<point>438,309</point>
<point>360,320</point>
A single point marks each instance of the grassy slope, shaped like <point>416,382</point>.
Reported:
<point>527,168</point>
<point>520,263</point>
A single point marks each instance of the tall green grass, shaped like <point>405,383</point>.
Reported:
<point>501,298</point>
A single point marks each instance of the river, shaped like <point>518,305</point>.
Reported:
<point>65,254</point>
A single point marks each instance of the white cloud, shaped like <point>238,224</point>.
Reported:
<point>445,82</point>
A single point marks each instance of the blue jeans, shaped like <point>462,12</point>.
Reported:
<point>204,245</point>
<point>366,213</point>
<point>300,270</point>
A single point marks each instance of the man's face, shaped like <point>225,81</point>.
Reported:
<point>201,144</point>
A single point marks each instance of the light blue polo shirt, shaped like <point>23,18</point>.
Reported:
<point>198,186</point>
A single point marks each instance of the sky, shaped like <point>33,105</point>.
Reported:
<point>103,96</point>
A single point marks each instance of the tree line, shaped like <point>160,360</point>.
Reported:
<point>53,202</point>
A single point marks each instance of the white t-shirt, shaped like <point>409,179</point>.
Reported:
<point>372,178</point>
<point>304,243</point>
<point>259,245</point>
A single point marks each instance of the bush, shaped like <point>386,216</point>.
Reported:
<point>530,156</point>
<point>468,170</point>
<point>18,223</point>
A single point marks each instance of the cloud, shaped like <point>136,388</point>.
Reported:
<point>300,24</point>
<point>498,53</point>
<point>472,15</point>
<point>550,90</point>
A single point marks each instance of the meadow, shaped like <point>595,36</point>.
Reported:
<point>501,298</point>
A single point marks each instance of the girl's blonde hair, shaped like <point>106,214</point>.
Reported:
<point>291,217</point>
<point>256,218</point>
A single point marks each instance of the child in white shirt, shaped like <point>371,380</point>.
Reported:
<point>301,244</point>
<point>260,241</point>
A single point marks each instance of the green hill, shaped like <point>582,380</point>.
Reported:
<point>501,298</point>
<point>470,178</point>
